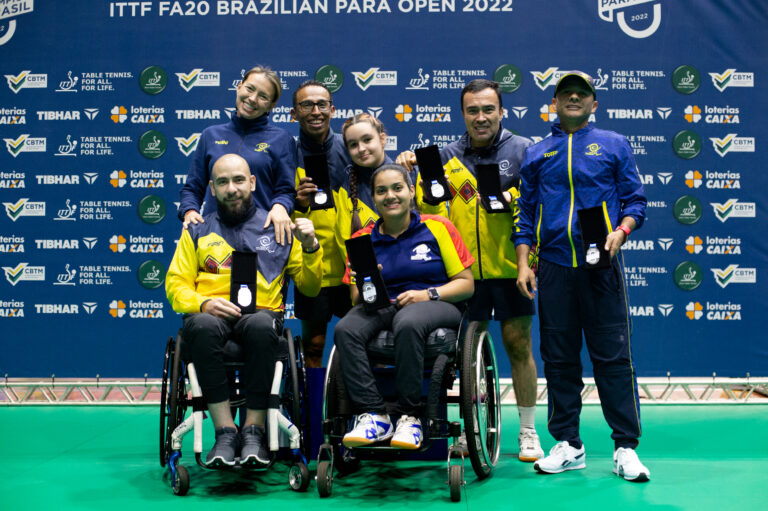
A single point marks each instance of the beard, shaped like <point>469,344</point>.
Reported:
<point>233,214</point>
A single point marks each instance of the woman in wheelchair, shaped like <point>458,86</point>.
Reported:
<point>426,268</point>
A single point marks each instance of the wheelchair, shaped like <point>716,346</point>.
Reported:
<point>287,416</point>
<point>447,353</point>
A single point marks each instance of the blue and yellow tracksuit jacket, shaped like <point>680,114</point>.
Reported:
<point>201,266</point>
<point>568,172</point>
<point>487,235</point>
<point>365,206</point>
<point>428,254</point>
<point>270,152</point>
<point>324,220</point>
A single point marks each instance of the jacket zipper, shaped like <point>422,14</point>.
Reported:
<point>570,180</point>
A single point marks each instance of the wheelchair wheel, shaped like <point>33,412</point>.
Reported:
<point>480,401</point>
<point>173,401</point>
<point>298,476</point>
<point>181,483</point>
<point>164,452</point>
<point>324,478</point>
<point>455,480</point>
<point>298,390</point>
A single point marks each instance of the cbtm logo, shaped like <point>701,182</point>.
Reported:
<point>23,207</point>
<point>27,80</point>
<point>373,77</point>
<point>641,23</point>
<point>198,78</point>
<point>734,275</point>
<point>732,78</point>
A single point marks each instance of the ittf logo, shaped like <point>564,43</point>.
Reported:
<point>119,114</point>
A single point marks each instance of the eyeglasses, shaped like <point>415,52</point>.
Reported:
<point>307,106</point>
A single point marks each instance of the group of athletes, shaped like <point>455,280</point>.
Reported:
<point>248,190</point>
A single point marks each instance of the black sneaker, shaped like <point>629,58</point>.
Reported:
<point>224,450</point>
<point>254,451</point>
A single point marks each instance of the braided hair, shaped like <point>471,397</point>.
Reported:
<point>353,174</point>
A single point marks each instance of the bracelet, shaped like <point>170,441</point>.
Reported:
<point>623,228</point>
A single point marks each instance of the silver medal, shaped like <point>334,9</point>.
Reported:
<point>593,254</point>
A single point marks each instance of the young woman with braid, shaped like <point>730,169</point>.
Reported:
<point>365,139</point>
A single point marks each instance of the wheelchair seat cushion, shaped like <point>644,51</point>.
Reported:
<point>442,340</point>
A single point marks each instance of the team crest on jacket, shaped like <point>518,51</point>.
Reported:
<point>594,150</point>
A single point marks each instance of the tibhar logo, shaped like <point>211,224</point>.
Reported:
<point>187,145</point>
<point>90,177</point>
<point>91,113</point>
<point>732,208</point>
<point>664,177</point>
<point>734,275</point>
<point>665,243</point>
<point>605,9</point>
<point>419,83</point>
<point>519,111</point>
<point>375,111</point>
<point>90,242</point>
<point>666,309</point>
<point>733,143</point>
<point>90,307</point>
<point>374,77</point>
<point>198,78</point>
<point>730,78</point>
<point>26,80</point>
<point>664,111</point>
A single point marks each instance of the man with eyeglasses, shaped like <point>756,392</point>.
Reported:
<point>487,235</point>
<point>313,109</point>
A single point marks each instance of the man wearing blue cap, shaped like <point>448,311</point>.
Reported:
<point>582,169</point>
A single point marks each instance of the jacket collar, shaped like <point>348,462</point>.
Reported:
<point>250,125</point>
<point>493,147</point>
<point>310,146</point>
<point>557,130</point>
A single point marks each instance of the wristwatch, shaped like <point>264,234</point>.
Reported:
<point>434,295</point>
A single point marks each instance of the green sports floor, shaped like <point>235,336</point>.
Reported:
<point>701,457</point>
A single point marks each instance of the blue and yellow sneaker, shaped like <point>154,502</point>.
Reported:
<point>408,434</point>
<point>369,428</point>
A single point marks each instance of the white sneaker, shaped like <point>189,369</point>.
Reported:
<point>408,434</point>
<point>369,428</point>
<point>627,465</point>
<point>561,457</point>
<point>530,447</point>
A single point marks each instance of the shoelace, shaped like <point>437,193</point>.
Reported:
<point>364,418</point>
<point>407,420</point>
<point>527,440</point>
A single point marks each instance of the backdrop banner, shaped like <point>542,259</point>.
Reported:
<point>104,101</point>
